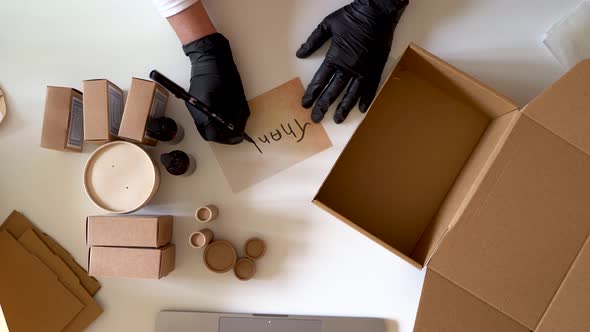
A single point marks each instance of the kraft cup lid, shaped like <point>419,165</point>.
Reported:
<point>121,177</point>
<point>255,248</point>
<point>220,256</point>
<point>245,269</point>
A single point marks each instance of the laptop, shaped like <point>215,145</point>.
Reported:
<point>175,321</point>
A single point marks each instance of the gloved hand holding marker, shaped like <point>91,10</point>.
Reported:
<point>362,35</point>
<point>180,93</point>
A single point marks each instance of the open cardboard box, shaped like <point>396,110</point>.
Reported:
<point>447,173</point>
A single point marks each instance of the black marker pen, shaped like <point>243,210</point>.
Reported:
<point>180,93</point>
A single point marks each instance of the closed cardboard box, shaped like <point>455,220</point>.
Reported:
<point>129,231</point>
<point>446,173</point>
<point>103,106</point>
<point>63,122</point>
<point>146,100</point>
<point>140,263</point>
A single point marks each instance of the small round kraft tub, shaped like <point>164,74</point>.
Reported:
<point>120,177</point>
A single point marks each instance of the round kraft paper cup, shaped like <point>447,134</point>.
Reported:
<point>245,269</point>
<point>255,248</point>
<point>120,177</point>
<point>201,238</point>
<point>220,256</point>
<point>206,214</point>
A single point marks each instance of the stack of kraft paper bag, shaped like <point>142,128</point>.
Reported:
<point>42,288</point>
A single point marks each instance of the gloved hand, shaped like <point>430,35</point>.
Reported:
<point>215,81</point>
<point>362,35</point>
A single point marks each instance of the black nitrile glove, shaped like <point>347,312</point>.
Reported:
<point>215,81</point>
<point>362,35</point>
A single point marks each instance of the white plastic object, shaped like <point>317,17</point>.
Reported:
<point>568,39</point>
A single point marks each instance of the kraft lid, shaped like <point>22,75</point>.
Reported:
<point>245,269</point>
<point>255,248</point>
<point>220,256</point>
<point>121,177</point>
<point>2,106</point>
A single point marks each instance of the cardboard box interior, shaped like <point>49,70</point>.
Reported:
<point>432,128</point>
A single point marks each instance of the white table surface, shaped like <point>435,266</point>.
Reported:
<point>315,264</point>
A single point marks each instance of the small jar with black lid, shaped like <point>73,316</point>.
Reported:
<point>165,129</point>
<point>178,163</point>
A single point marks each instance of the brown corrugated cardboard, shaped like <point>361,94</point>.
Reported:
<point>32,243</point>
<point>103,110</point>
<point>146,99</point>
<point>129,231</point>
<point>63,122</point>
<point>131,262</point>
<point>446,307</point>
<point>501,218</point>
<point>529,218</point>
<point>569,309</point>
<point>17,224</point>
<point>422,151</point>
<point>29,291</point>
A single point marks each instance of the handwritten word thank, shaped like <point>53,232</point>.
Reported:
<point>284,131</point>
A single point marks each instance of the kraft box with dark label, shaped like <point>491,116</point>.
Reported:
<point>63,124</point>
<point>146,100</point>
<point>103,107</point>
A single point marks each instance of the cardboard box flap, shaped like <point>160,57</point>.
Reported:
<point>569,309</point>
<point>564,108</point>
<point>17,224</point>
<point>32,243</point>
<point>466,185</point>
<point>29,291</point>
<point>421,149</point>
<point>528,220</point>
<point>456,82</point>
<point>446,307</point>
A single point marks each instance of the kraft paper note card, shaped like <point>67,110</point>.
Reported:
<point>284,133</point>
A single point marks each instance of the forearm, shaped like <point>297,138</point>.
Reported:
<point>192,23</point>
<point>188,18</point>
